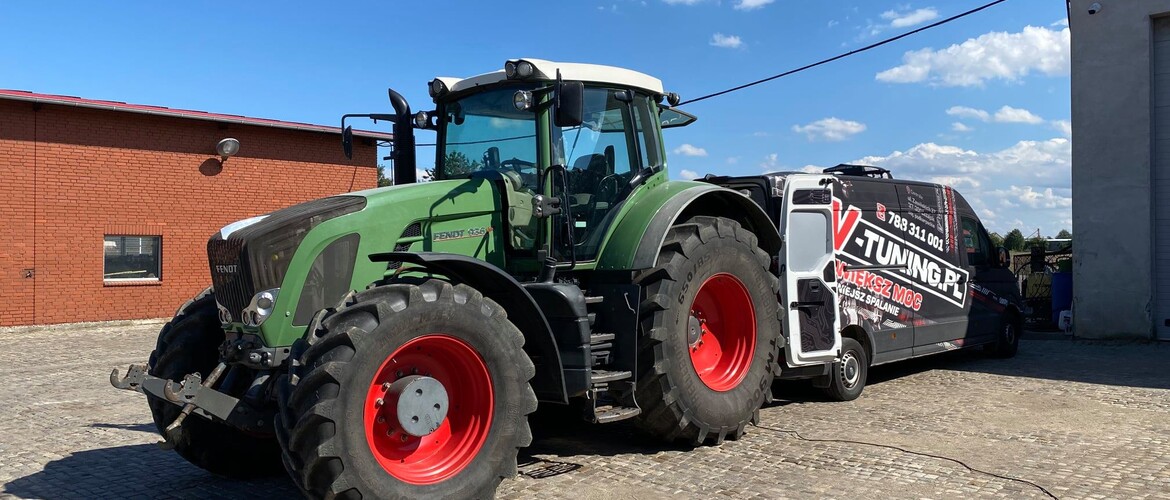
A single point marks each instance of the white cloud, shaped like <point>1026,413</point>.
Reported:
<point>505,123</point>
<point>732,160</point>
<point>1060,23</point>
<point>812,169</point>
<point>965,112</point>
<point>751,4</point>
<point>955,181</point>
<point>832,22</point>
<point>907,19</point>
<point>688,174</point>
<point>689,150</point>
<point>1005,114</point>
<point>770,163</point>
<point>1028,197</point>
<point>1064,126</point>
<point>1028,158</point>
<point>682,2</point>
<point>992,56</point>
<point>900,18</point>
<point>1008,114</point>
<point>1025,185</point>
<point>726,41</point>
<point>960,127</point>
<point>830,129</point>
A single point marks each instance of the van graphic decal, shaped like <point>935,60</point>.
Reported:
<point>927,280</point>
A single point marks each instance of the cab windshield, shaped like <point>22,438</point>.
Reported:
<point>485,132</point>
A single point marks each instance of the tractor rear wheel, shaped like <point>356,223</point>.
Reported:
<point>189,343</point>
<point>407,391</point>
<point>710,328</point>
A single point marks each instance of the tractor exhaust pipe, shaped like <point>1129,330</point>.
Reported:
<point>404,163</point>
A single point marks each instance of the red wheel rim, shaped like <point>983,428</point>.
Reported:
<point>723,332</point>
<point>450,448</point>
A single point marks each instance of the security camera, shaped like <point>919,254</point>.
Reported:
<point>1095,8</point>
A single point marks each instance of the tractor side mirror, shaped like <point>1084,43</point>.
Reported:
<point>570,109</point>
<point>1004,258</point>
<point>347,142</point>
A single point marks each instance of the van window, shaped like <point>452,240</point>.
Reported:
<point>977,243</point>
<point>808,240</point>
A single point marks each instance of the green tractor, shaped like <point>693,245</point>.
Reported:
<point>393,342</point>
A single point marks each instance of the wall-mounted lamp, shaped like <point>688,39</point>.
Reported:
<point>227,148</point>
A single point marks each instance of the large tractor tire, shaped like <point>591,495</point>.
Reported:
<point>187,344</point>
<point>710,328</point>
<point>392,358</point>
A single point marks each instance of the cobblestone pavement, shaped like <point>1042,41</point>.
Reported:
<point>1081,419</point>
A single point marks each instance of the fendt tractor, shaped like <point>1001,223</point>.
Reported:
<point>392,342</point>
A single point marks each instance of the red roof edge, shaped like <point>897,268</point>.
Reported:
<point>23,95</point>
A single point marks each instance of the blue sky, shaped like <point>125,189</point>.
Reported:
<point>981,103</point>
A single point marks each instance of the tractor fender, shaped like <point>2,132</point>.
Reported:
<point>638,237</point>
<point>495,284</point>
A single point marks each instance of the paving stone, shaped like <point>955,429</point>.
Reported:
<point>1082,419</point>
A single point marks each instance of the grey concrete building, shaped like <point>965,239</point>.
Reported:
<point>1121,167</point>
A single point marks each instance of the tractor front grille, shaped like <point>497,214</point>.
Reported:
<point>230,275</point>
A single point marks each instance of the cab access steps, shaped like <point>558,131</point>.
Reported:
<point>612,390</point>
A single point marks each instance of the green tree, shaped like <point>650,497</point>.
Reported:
<point>1037,241</point>
<point>1064,234</point>
<point>457,163</point>
<point>996,239</point>
<point>1014,241</point>
<point>383,181</point>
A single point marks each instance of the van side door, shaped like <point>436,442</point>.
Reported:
<point>808,284</point>
<point>936,266</point>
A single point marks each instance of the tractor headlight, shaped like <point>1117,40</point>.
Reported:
<point>225,316</point>
<point>525,69</point>
<point>260,308</point>
<point>522,99</point>
<point>437,88</point>
<point>422,119</point>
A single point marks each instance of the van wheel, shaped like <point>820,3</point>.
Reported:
<point>1007,341</point>
<point>848,376</point>
<point>709,330</point>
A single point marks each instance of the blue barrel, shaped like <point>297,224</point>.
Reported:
<point>1061,294</point>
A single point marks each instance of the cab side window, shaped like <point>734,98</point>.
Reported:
<point>979,251</point>
<point>615,141</point>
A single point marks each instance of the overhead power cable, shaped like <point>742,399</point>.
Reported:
<point>846,54</point>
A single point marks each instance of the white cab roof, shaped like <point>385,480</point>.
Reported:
<point>547,71</point>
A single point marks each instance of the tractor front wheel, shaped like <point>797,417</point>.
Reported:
<point>710,327</point>
<point>189,343</point>
<point>407,391</point>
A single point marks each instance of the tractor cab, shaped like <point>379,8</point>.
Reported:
<point>569,142</point>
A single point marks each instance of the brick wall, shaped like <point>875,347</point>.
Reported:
<point>73,175</point>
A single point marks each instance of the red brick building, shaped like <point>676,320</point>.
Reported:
<point>107,207</point>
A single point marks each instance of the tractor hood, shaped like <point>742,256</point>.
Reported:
<point>309,255</point>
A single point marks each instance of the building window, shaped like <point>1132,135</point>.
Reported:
<point>133,258</point>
